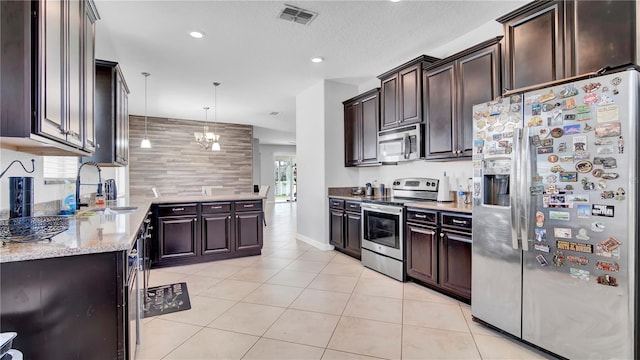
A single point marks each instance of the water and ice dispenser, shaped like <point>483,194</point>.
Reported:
<point>497,175</point>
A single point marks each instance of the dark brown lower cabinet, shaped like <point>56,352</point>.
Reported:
<point>71,307</point>
<point>455,262</point>
<point>422,253</point>
<point>439,251</point>
<point>177,236</point>
<point>345,226</point>
<point>248,231</point>
<point>199,232</point>
<point>217,233</point>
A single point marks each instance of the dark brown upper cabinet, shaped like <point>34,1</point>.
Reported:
<point>552,40</point>
<point>451,87</point>
<point>401,93</point>
<point>361,116</point>
<point>111,115</point>
<point>47,88</point>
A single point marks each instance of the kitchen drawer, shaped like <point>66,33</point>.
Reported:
<point>336,204</point>
<point>422,216</point>
<point>353,206</point>
<point>250,205</point>
<point>216,207</point>
<point>456,221</point>
<point>177,209</point>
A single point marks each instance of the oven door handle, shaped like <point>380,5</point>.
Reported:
<point>406,146</point>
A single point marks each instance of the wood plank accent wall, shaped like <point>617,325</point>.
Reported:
<point>177,165</point>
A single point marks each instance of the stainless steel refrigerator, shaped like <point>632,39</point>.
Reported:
<point>555,216</point>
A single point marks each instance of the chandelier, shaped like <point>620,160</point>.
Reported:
<point>205,138</point>
<point>208,139</point>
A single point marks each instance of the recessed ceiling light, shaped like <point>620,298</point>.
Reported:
<point>317,59</point>
<point>394,0</point>
<point>197,34</point>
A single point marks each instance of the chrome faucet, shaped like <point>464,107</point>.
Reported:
<point>78,183</point>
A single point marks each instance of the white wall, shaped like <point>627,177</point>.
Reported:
<point>42,193</point>
<point>267,168</point>
<point>319,138</point>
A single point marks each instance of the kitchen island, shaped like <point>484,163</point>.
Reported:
<point>75,297</point>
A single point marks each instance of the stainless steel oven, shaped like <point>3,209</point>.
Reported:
<point>403,144</point>
<point>383,239</point>
<point>134,300</point>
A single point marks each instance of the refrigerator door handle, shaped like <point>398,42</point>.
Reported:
<point>527,171</point>
<point>513,190</point>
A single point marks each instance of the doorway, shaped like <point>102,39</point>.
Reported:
<point>285,178</point>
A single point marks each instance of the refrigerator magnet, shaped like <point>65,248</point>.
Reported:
<point>615,82</point>
<point>584,211</point>
<point>534,121</point>
<point>558,258</point>
<point>574,246</point>
<point>559,215</point>
<point>568,176</point>
<point>597,226</point>
<point>569,117</point>
<point>548,96</point>
<point>582,234</point>
<point>480,124</point>
<point>610,244</point>
<point>583,117</point>
<point>543,133</point>
<point>605,150</point>
<point>562,147</point>
<point>591,87</point>
<point>606,100</point>
<point>514,107</point>
<point>545,149</point>
<point>607,279</point>
<point>580,260</point>
<point>581,155</point>
<point>606,195</point>
<point>601,184</point>
<point>568,91</point>
<point>571,129</point>
<point>557,132</point>
<point>603,141</point>
<point>620,145</point>
<point>609,163</point>
<point>550,106</point>
<point>584,166</point>
<point>569,104</point>
<point>515,98</point>
<point>602,210</point>
<point>587,128</point>
<point>590,98</point>
<point>597,172</point>
<point>539,219</point>
<point>579,274</point>
<point>608,129</point>
<point>541,260</point>
<point>611,266</point>
<point>556,169</point>
<point>553,158</point>
<point>577,198</point>
<point>587,184</point>
<point>606,114</point>
<point>583,109</point>
<point>563,233</point>
<point>541,247</point>
<point>541,235</point>
<point>546,142</point>
<point>536,109</point>
<point>620,194</point>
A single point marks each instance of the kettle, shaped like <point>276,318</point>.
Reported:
<point>368,190</point>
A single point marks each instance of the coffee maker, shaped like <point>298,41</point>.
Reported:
<point>110,190</point>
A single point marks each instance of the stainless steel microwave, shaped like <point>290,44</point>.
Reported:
<point>401,144</point>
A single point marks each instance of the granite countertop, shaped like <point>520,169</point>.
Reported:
<point>99,232</point>
<point>354,197</point>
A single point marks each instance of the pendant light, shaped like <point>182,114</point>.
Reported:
<point>146,143</point>
<point>216,138</point>
<point>205,138</point>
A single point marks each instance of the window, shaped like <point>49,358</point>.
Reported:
<point>55,169</point>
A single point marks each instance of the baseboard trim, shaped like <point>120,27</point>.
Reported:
<point>315,243</point>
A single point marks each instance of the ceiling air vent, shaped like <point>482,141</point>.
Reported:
<point>295,14</point>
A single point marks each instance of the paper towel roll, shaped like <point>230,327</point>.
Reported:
<point>444,190</point>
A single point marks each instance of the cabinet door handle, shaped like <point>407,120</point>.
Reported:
<point>217,207</point>
<point>249,205</point>
<point>426,232</point>
<point>420,216</point>
<point>195,219</point>
<point>456,221</point>
<point>441,235</point>
<point>353,206</point>
<point>178,209</point>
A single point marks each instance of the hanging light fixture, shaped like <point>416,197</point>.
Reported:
<point>216,138</point>
<point>205,138</point>
<point>145,143</point>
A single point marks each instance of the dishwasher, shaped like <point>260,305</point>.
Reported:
<point>133,300</point>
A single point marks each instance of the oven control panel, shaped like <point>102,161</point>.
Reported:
<point>416,184</point>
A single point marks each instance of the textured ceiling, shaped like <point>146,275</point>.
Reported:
<point>264,62</point>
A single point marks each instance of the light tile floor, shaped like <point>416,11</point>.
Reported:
<point>297,302</point>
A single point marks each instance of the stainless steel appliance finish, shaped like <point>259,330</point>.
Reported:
<point>383,237</point>
<point>134,298</point>
<point>555,217</point>
<point>403,144</point>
